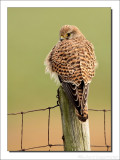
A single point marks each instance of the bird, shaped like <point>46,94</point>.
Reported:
<point>72,61</point>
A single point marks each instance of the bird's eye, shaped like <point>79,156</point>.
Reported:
<point>68,34</point>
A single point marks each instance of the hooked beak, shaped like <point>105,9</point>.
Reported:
<point>61,38</point>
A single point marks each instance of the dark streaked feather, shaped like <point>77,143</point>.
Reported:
<point>76,94</point>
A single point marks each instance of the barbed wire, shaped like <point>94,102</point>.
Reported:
<point>52,145</point>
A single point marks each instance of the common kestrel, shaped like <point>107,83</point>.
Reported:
<point>73,61</point>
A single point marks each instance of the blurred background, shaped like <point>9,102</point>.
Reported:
<point>32,33</point>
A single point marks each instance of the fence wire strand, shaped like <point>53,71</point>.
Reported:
<point>48,125</point>
<point>55,145</point>
<point>22,131</point>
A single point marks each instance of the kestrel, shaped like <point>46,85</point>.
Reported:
<point>73,61</point>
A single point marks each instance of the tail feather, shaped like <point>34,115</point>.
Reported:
<point>78,97</point>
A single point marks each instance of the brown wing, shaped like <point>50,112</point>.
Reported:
<point>74,62</point>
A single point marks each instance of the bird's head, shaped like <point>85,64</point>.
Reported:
<point>69,32</point>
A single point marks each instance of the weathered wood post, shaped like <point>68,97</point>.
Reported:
<point>75,133</point>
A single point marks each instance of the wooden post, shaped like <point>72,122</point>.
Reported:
<point>75,133</point>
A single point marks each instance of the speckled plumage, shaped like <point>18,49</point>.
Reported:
<point>73,60</point>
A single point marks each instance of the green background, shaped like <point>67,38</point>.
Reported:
<point>32,32</point>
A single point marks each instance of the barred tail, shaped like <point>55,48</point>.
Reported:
<point>78,97</point>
